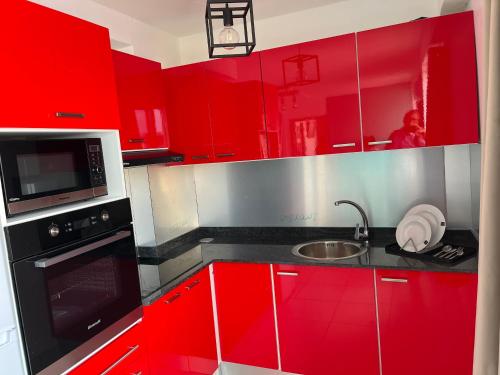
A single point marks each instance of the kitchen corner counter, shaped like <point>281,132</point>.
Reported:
<point>273,246</point>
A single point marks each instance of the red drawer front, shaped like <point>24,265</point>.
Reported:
<point>125,352</point>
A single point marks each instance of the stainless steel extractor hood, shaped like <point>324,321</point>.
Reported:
<point>135,158</point>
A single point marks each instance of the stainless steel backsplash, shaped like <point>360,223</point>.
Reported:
<point>301,191</point>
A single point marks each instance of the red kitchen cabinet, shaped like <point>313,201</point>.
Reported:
<point>188,113</point>
<point>236,108</point>
<point>141,101</point>
<point>311,98</point>
<point>245,314</point>
<point>202,354</point>
<point>326,320</point>
<point>418,83</point>
<point>125,355</point>
<point>427,322</point>
<point>180,330</point>
<point>56,70</point>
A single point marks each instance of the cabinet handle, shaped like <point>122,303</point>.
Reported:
<point>136,373</point>
<point>341,145</point>
<point>228,155</point>
<point>136,140</point>
<point>199,157</point>
<point>393,280</point>
<point>173,298</point>
<point>192,285</point>
<point>70,115</point>
<point>132,349</point>
<point>388,142</point>
<point>287,273</point>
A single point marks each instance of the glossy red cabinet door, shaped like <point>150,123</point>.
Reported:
<point>326,320</point>
<point>142,101</point>
<point>245,314</point>
<point>188,113</point>
<point>236,108</point>
<point>418,83</point>
<point>167,341</point>
<point>199,320</point>
<point>427,322</point>
<point>311,97</point>
<point>180,330</point>
<point>125,355</point>
<point>53,63</point>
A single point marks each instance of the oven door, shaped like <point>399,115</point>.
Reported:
<point>69,297</point>
<point>39,174</point>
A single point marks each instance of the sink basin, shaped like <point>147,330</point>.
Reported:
<point>330,250</point>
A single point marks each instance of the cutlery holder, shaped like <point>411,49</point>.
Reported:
<point>428,256</point>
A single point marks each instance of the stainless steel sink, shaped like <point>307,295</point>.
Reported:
<point>330,250</point>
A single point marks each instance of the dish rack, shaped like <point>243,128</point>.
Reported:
<point>440,253</point>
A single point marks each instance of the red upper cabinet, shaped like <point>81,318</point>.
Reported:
<point>426,322</point>
<point>188,112</point>
<point>245,314</point>
<point>56,70</point>
<point>141,100</point>
<point>418,83</point>
<point>326,320</point>
<point>311,97</point>
<point>236,108</point>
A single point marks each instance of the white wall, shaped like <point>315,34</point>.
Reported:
<point>335,19</point>
<point>127,33</point>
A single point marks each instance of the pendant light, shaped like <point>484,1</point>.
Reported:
<point>230,42</point>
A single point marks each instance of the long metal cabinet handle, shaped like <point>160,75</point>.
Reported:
<point>388,142</point>
<point>199,157</point>
<point>173,298</point>
<point>70,115</point>
<point>124,357</point>
<point>136,140</point>
<point>341,145</point>
<point>228,155</point>
<point>47,262</point>
<point>287,273</point>
<point>393,280</point>
<point>192,285</point>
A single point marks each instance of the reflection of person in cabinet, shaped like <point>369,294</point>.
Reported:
<point>412,134</point>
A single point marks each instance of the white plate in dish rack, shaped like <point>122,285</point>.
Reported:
<point>413,233</point>
<point>435,218</point>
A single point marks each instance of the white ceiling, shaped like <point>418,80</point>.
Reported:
<point>186,17</point>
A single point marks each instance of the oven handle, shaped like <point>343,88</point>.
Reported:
<point>47,262</point>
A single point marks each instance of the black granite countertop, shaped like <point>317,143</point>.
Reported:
<point>274,245</point>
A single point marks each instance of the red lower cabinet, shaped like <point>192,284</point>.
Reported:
<point>245,314</point>
<point>180,330</point>
<point>326,320</point>
<point>124,355</point>
<point>426,322</point>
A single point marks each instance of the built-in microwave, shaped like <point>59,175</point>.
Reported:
<point>38,174</point>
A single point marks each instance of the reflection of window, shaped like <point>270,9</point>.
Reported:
<point>300,70</point>
<point>306,135</point>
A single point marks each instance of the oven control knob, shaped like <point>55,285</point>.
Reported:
<point>104,215</point>
<point>54,230</point>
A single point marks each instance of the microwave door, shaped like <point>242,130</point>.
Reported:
<point>44,173</point>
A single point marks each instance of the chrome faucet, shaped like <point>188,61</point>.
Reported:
<point>358,235</point>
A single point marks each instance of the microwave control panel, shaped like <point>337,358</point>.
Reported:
<point>96,162</point>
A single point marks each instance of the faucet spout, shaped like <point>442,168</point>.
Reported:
<point>364,235</point>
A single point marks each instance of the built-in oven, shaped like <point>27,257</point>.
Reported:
<point>76,282</point>
<point>44,173</point>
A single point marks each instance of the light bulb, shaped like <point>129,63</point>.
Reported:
<point>229,36</point>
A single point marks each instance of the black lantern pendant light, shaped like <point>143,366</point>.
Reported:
<point>228,42</point>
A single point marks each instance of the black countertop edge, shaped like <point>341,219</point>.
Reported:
<point>250,248</point>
